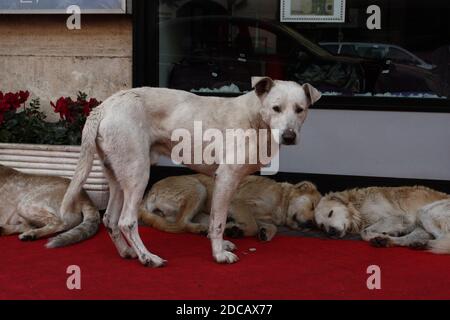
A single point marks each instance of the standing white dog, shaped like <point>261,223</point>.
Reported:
<point>132,128</point>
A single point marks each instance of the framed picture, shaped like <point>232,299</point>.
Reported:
<point>325,11</point>
<point>60,6</point>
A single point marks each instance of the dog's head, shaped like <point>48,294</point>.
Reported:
<point>302,202</point>
<point>335,214</point>
<point>285,105</point>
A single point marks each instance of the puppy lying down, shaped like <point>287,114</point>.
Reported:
<point>183,203</point>
<point>30,207</point>
<point>416,217</point>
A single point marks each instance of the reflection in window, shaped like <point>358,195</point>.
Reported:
<point>216,46</point>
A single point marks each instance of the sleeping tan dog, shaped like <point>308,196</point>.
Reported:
<point>401,216</point>
<point>30,206</point>
<point>183,203</point>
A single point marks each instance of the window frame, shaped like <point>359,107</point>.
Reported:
<point>122,10</point>
<point>146,71</point>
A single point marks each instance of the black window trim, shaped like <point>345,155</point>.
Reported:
<point>146,71</point>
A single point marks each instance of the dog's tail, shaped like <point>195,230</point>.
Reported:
<point>440,246</point>
<point>86,229</point>
<point>84,166</point>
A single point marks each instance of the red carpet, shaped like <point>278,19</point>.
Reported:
<point>286,268</point>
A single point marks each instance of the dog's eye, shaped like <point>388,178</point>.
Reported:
<point>299,110</point>
<point>330,214</point>
<point>277,109</point>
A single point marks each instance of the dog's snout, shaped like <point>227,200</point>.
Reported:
<point>289,136</point>
<point>332,232</point>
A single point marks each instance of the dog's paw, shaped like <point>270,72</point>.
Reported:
<point>262,234</point>
<point>152,261</point>
<point>229,246</point>
<point>234,232</point>
<point>27,236</point>
<point>419,245</point>
<point>226,257</point>
<point>380,242</point>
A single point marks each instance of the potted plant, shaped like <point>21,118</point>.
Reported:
<point>31,144</point>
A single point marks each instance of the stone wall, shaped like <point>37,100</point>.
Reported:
<point>38,53</point>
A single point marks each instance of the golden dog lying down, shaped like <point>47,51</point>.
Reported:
<point>416,217</point>
<point>30,206</point>
<point>183,203</point>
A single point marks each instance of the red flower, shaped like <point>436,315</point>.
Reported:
<point>86,109</point>
<point>23,96</point>
<point>89,105</point>
<point>93,103</point>
<point>62,107</point>
<point>74,110</point>
<point>4,106</point>
<point>12,99</point>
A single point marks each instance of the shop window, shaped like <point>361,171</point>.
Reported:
<point>215,46</point>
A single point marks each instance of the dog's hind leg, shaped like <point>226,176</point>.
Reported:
<point>418,239</point>
<point>192,208</point>
<point>394,226</point>
<point>172,216</point>
<point>47,221</point>
<point>112,215</point>
<point>45,231</point>
<point>134,183</point>
<point>435,218</point>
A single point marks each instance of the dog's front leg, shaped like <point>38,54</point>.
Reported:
<point>226,183</point>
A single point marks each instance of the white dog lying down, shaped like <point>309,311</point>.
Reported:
<point>183,204</point>
<point>402,216</point>
<point>30,206</point>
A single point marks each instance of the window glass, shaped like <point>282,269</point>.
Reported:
<point>214,46</point>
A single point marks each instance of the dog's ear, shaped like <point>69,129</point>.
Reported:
<point>262,85</point>
<point>312,93</point>
<point>305,186</point>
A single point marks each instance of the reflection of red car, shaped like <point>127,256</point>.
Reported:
<point>216,51</point>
